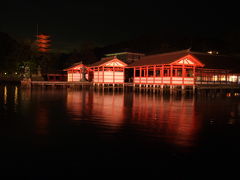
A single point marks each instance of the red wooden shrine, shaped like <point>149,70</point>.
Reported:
<point>74,73</point>
<point>183,68</point>
<point>108,71</point>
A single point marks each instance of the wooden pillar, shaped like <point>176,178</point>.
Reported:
<point>194,71</point>
<point>134,74</point>
<point>72,75</point>
<point>194,79</point>
<point>146,75</point>
<point>154,74</point>
<point>114,75</point>
<point>98,76</point>
<point>140,76</point>
<point>162,74</point>
<point>103,75</point>
<point>183,75</point>
<point>171,74</point>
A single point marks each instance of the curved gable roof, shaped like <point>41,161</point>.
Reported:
<point>164,58</point>
<point>107,60</point>
<point>209,60</point>
<point>75,66</point>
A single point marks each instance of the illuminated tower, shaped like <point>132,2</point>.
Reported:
<point>43,43</point>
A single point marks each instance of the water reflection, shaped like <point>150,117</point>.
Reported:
<point>26,95</point>
<point>42,115</point>
<point>176,120</point>
<point>105,108</point>
<point>170,117</point>
<point>5,95</point>
<point>16,95</point>
<point>79,103</point>
<point>109,107</point>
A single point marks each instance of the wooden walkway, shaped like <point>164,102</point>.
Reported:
<point>80,85</point>
<point>60,83</point>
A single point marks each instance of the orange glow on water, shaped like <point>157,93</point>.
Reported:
<point>42,121</point>
<point>16,95</point>
<point>173,119</point>
<point>110,107</point>
<point>180,128</point>
<point>78,103</point>
<point>107,107</point>
<point>5,95</point>
<point>228,94</point>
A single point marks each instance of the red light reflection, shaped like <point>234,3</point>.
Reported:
<point>169,119</point>
<point>172,119</point>
<point>42,121</point>
<point>107,108</point>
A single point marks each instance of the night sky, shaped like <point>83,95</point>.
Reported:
<point>72,22</point>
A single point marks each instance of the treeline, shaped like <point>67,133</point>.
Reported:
<point>14,55</point>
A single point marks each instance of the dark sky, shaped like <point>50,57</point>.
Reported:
<point>72,22</point>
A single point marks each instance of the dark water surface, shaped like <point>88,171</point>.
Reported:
<point>59,132</point>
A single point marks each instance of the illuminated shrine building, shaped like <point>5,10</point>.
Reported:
<point>109,70</point>
<point>74,73</point>
<point>174,68</point>
<point>185,68</point>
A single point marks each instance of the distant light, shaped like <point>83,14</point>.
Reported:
<point>5,73</point>
<point>210,52</point>
<point>236,94</point>
<point>16,73</point>
<point>213,52</point>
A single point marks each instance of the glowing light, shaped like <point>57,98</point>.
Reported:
<point>5,73</point>
<point>223,78</point>
<point>233,78</point>
<point>215,78</point>
<point>16,73</point>
<point>5,95</point>
<point>210,52</point>
<point>228,95</point>
<point>213,52</point>
<point>16,95</point>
